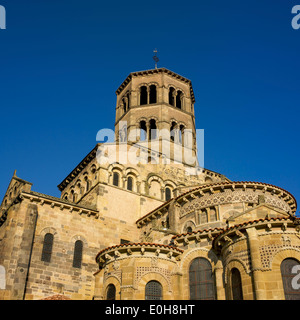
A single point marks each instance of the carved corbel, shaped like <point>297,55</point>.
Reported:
<point>239,233</point>
<point>170,254</point>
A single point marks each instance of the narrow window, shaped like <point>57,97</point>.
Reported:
<point>124,105</point>
<point>153,95</point>
<point>143,131</point>
<point>213,214</point>
<point>173,131</point>
<point>47,247</point>
<point>178,99</point>
<point>111,292</point>
<point>152,129</point>
<point>171,96</point>
<point>168,194</point>
<point>287,278</point>
<point>189,229</point>
<point>201,281</point>
<point>153,291</point>
<point>236,284</point>
<point>116,179</point>
<point>203,216</point>
<point>77,258</point>
<point>129,183</point>
<point>143,95</point>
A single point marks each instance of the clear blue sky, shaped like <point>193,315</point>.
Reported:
<point>61,62</point>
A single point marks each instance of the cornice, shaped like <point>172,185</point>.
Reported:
<point>156,71</point>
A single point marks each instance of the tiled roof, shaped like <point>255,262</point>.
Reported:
<point>198,231</point>
<point>215,185</point>
<point>60,200</point>
<point>140,244</point>
<point>223,230</point>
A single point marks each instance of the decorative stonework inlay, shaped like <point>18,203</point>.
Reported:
<point>230,196</point>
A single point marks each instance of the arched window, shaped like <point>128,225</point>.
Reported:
<point>143,95</point>
<point>153,129</point>
<point>115,179</point>
<point>168,194</point>
<point>129,183</point>
<point>153,291</point>
<point>181,134</point>
<point>152,98</point>
<point>288,275</point>
<point>236,285</point>
<point>77,257</point>
<point>143,131</point>
<point>171,96</point>
<point>47,247</point>
<point>203,216</point>
<point>173,131</point>
<point>2,278</point>
<point>213,214</point>
<point>87,182</point>
<point>111,292</point>
<point>189,229</point>
<point>179,99</point>
<point>201,280</point>
<point>124,101</point>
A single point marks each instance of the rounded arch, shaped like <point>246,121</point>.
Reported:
<point>155,276</point>
<point>189,226</point>
<point>76,237</point>
<point>47,230</point>
<point>282,254</point>
<point>118,168</point>
<point>238,265</point>
<point>155,186</point>
<point>112,280</point>
<point>186,262</point>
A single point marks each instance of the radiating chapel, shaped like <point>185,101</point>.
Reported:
<point>138,218</point>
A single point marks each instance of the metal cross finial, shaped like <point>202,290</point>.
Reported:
<point>155,58</point>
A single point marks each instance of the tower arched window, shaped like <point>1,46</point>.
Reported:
<point>153,291</point>
<point>179,99</point>
<point>143,131</point>
<point>153,94</point>
<point>143,95</point>
<point>129,183</point>
<point>168,193</point>
<point>47,247</point>
<point>171,96</point>
<point>173,131</point>
<point>153,130</point>
<point>116,178</point>
<point>77,257</point>
<point>236,285</point>
<point>201,281</point>
<point>111,292</point>
<point>287,275</point>
<point>181,134</point>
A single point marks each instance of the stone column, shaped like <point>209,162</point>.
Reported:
<point>219,281</point>
<point>256,264</point>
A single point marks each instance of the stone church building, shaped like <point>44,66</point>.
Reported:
<point>159,227</point>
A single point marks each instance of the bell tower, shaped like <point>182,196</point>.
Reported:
<point>156,107</point>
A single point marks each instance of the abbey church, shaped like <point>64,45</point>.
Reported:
<point>140,219</point>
